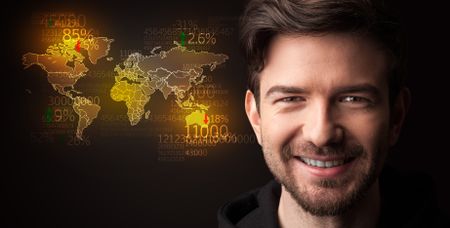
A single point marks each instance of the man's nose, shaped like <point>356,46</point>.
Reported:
<point>321,126</point>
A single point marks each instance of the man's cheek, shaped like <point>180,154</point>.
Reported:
<point>279,134</point>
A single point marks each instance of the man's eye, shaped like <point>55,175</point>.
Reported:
<point>354,99</point>
<point>292,99</point>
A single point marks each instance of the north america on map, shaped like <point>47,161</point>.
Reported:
<point>65,65</point>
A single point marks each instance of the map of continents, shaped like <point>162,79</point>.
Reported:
<point>174,71</point>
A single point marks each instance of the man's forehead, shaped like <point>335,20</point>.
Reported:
<point>309,47</point>
<point>339,59</point>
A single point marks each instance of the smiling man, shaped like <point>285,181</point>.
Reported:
<point>326,101</point>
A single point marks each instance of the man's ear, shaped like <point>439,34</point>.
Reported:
<point>253,114</point>
<point>398,114</point>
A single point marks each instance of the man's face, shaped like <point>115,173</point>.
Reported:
<point>324,120</point>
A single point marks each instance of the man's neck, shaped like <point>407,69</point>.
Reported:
<point>364,214</point>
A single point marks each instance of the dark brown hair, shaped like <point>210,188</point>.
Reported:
<point>264,19</point>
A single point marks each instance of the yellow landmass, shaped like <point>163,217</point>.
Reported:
<point>135,97</point>
<point>197,117</point>
<point>190,103</point>
<point>66,49</point>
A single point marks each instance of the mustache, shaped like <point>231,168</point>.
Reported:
<point>348,150</point>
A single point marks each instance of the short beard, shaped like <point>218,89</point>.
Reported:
<point>332,207</point>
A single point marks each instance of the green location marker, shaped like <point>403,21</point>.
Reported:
<point>183,37</point>
<point>49,115</point>
<point>49,22</point>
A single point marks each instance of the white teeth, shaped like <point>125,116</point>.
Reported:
<point>322,164</point>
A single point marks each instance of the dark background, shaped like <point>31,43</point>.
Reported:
<point>120,183</point>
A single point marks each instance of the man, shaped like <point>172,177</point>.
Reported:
<point>326,100</point>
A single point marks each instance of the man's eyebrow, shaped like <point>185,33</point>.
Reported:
<point>284,89</point>
<point>362,88</point>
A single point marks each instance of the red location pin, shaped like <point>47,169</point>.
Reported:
<point>206,119</point>
<point>78,46</point>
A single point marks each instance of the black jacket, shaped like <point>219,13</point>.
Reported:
<point>406,201</point>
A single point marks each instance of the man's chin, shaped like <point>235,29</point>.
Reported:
<point>327,196</point>
<point>324,201</point>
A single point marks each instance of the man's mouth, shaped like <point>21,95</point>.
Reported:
<point>323,163</point>
<point>324,167</point>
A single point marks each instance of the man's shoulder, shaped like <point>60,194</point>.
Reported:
<point>256,208</point>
